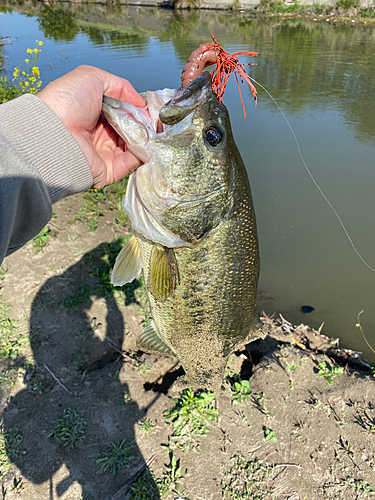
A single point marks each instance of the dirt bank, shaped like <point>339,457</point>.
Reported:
<point>82,411</point>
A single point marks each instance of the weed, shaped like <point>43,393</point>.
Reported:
<point>360,487</point>
<point>116,457</point>
<point>11,341</point>
<point>69,429</point>
<point>125,400</point>
<point>142,366</point>
<point>171,477</point>
<point>145,488</point>
<point>146,426</point>
<point>189,416</point>
<point>9,449</point>
<point>329,373</point>
<point>291,366</point>
<point>260,402</point>
<point>3,271</point>
<point>80,359</point>
<point>240,391</point>
<point>269,434</point>
<point>248,479</point>
<point>113,377</point>
<point>347,4</point>
<point>313,401</point>
<point>42,239</point>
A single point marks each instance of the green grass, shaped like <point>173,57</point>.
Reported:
<point>172,476</point>
<point>329,372</point>
<point>248,479</point>
<point>9,449</point>
<point>146,426</point>
<point>189,418</point>
<point>117,456</point>
<point>145,488</point>
<point>42,239</point>
<point>69,429</point>
<point>8,90</point>
<point>12,342</point>
<point>348,4</point>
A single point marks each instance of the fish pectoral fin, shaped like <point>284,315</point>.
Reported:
<point>164,275</point>
<point>150,341</point>
<point>128,265</point>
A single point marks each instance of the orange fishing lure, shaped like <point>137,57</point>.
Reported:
<point>226,64</point>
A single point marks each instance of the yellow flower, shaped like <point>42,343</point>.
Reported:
<point>40,43</point>
<point>27,61</point>
<point>23,73</point>
<point>29,51</point>
<point>26,84</point>
<point>36,51</point>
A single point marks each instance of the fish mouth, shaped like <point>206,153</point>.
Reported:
<point>186,100</point>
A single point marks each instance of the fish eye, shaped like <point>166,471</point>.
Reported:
<point>213,136</point>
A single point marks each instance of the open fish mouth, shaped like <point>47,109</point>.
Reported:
<point>167,119</point>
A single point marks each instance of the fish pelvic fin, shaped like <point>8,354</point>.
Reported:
<point>151,342</point>
<point>128,265</point>
<point>164,275</point>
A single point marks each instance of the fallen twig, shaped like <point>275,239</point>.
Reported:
<point>288,465</point>
<point>120,352</point>
<point>57,380</point>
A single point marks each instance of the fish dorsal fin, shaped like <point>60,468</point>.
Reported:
<point>150,341</point>
<point>128,265</point>
<point>163,272</point>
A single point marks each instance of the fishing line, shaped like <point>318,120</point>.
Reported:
<point>312,177</point>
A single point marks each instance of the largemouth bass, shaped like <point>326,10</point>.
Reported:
<point>194,227</point>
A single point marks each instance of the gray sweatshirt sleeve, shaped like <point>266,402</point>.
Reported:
<point>40,163</point>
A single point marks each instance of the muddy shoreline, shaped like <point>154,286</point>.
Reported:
<point>303,423</point>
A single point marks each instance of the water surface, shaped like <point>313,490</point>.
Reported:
<point>322,77</point>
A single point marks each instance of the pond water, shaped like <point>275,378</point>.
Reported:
<point>321,75</point>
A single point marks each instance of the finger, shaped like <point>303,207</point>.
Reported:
<point>124,164</point>
<point>119,88</point>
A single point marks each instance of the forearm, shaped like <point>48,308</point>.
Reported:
<point>40,162</point>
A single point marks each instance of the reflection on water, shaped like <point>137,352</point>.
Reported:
<point>322,77</point>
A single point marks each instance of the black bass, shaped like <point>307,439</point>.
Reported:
<point>194,227</point>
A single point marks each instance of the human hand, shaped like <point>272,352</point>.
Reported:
<point>76,98</point>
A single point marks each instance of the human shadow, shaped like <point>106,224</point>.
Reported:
<point>76,333</point>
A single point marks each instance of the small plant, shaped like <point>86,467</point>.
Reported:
<point>240,391</point>
<point>125,400</point>
<point>146,426</point>
<point>329,373</point>
<point>145,488</point>
<point>69,429</point>
<point>113,377</point>
<point>80,359</point>
<point>12,342</point>
<point>116,457</point>
<point>260,402</point>
<point>42,239</point>
<point>29,80</point>
<point>189,417</point>
<point>142,366</point>
<point>9,449</point>
<point>361,488</point>
<point>313,401</point>
<point>291,366</point>
<point>269,434</point>
<point>171,477</point>
<point>248,479</point>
